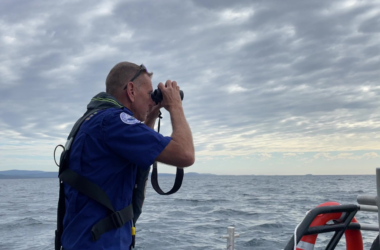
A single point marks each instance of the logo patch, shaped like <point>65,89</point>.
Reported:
<point>128,119</point>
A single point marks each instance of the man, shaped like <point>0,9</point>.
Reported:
<point>112,144</point>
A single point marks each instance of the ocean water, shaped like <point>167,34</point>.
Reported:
<point>263,209</point>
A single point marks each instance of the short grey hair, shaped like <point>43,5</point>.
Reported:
<point>120,75</point>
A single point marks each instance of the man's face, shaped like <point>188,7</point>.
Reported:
<point>143,102</point>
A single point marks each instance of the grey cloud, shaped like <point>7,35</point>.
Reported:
<point>296,59</point>
<point>371,25</point>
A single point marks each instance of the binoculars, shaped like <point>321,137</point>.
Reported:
<point>157,95</point>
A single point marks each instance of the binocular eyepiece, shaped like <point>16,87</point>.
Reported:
<point>157,95</point>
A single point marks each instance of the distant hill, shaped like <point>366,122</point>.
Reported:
<point>28,174</point>
<point>195,174</point>
<point>186,174</point>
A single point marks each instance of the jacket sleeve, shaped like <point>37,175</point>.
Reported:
<point>133,140</point>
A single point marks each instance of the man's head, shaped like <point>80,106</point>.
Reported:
<point>131,85</point>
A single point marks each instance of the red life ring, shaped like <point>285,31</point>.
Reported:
<point>354,239</point>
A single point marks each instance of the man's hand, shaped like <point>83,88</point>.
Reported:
<point>170,94</point>
<point>152,116</point>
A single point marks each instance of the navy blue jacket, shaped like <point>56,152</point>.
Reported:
<point>108,149</point>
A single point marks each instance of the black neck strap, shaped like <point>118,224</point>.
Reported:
<point>154,177</point>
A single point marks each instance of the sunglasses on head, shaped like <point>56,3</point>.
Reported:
<point>142,68</point>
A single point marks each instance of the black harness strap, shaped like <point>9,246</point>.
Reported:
<point>86,187</point>
<point>63,165</point>
<point>154,177</point>
<point>115,220</point>
<point>61,210</point>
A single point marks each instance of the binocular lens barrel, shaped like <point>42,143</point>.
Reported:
<point>157,95</point>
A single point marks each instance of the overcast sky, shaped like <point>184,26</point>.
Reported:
<point>271,87</point>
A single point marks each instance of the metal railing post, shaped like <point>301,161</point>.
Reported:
<point>231,238</point>
<point>378,194</point>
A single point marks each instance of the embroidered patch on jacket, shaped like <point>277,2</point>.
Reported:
<point>128,119</point>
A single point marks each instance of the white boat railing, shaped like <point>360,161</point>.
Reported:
<point>371,203</point>
<point>230,238</point>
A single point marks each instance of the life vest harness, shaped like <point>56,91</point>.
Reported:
<point>115,219</point>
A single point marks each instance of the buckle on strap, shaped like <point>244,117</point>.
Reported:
<point>117,219</point>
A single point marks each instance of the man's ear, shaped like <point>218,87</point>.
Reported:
<point>130,91</point>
